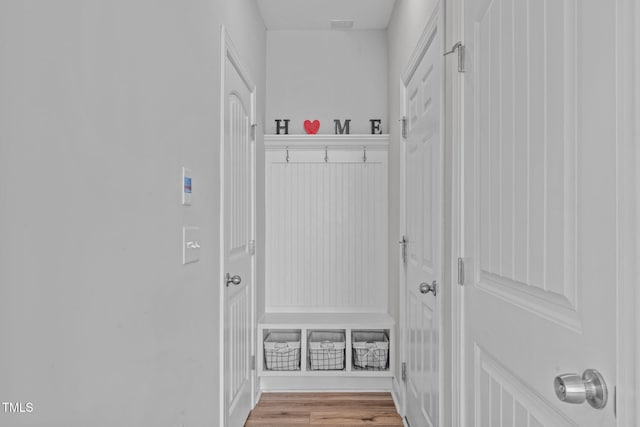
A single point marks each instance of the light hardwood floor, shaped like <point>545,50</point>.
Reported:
<point>324,409</point>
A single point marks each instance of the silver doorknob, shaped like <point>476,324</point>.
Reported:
<point>573,388</point>
<point>425,288</point>
<point>236,280</point>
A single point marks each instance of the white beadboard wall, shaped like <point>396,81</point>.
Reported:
<point>326,223</point>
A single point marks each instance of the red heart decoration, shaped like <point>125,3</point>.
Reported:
<point>311,126</point>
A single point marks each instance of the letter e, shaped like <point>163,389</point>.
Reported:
<point>375,126</point>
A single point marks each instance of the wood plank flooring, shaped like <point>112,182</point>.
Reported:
<point>324,409</point>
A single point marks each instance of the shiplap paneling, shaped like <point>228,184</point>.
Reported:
<point>326,237</point>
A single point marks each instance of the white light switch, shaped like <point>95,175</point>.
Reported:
<point>190,244</point>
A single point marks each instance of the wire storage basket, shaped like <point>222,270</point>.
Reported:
<point>370,350</point>
<point>282,351</point>
<point>326,350</point>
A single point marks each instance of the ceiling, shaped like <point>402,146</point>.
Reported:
<point>317,14</point>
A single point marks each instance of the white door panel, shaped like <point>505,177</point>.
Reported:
<point>423,210</point>
<point>539,208</point>
<point>237,233</point>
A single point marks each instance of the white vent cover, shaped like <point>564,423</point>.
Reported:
<point>341,24</point>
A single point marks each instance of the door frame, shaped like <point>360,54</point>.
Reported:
<point>436,20</point>
<point>628,231</point>
<point>454,176</point>
<point>627,379</point>
<point>228,51</point>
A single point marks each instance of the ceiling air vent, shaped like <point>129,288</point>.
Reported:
<point>341,24</point>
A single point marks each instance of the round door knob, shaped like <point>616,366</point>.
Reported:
<point>236,280</point>
<point>573,388</point>
<point>425,288</point>
<point>570,388</point>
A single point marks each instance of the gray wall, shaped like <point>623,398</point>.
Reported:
<point>327,75</point>
<point>101,105</point>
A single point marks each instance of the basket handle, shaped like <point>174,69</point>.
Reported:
<point>371,351</point>
<point>327,344</point>
<point>280,345</point>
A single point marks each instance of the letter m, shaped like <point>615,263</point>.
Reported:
<point>340,128</point>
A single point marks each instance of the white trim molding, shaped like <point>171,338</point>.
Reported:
<point>333,142</point>
<point>628,238</point>
<point>454,84</point>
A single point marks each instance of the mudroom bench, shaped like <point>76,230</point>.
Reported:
<point>363,355</point>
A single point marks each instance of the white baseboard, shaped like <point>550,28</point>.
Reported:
<point>256,399</point>
<point>397,395</point>
<point>325,384</point>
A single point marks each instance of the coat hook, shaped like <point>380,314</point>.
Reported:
<point>326,154</point>
<point>287,158</point>
<point>364,156</point>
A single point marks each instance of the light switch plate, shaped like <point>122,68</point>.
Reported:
<point>190,244</point>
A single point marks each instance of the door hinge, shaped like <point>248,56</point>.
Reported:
<point>404,372</point>
<point>252,247</point>
<point>253,362</point>
<point>404,126</point>
<point>460,47</point>
<point>403,242</point>
<point>460,271</point>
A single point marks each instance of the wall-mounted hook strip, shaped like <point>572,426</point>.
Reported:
<point>326,154</point>
<point>364,155</point>
<point>287,158</point>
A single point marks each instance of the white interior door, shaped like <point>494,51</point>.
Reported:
<point>539,208</point>
<point>423,210</point>
<point>237,246</point>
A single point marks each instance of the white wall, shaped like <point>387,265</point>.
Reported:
<point>327,75</point>
<point>102,103</point>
